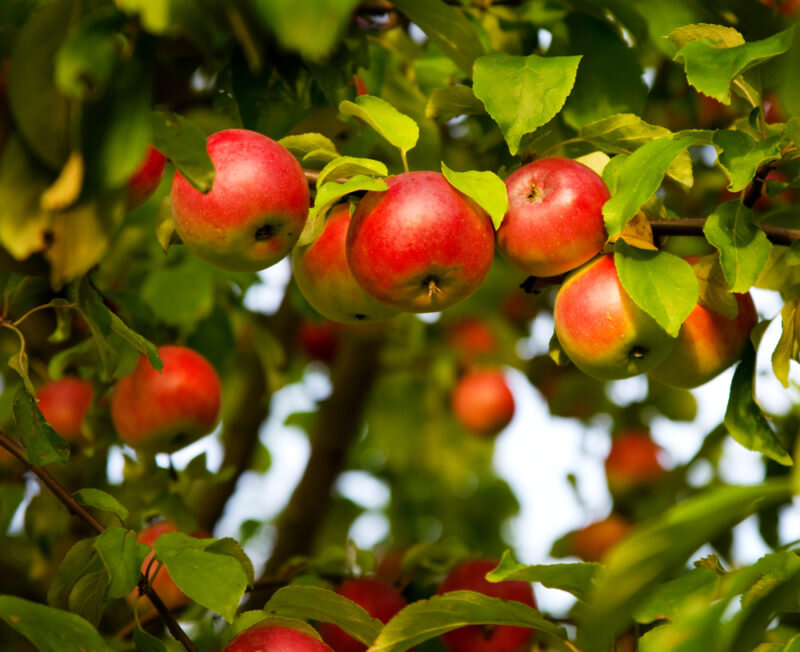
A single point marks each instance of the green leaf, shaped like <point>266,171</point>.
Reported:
<point>42,444</point>
<point>87,598</point>
<point>725,36</point>
<point>486,188</point>
<point>576,579</point>
<point>788,347</point>
<point>640,176</point>
<point>231,547</point>
<point>11,496</point>
<point>714,293</point>
<point>40,112</point>
<point>400,130</point>
<point>166,231</point>
<point>671,596</point>
<point>446,26</point>
<point>181,295</point>
<point>711,68</point>
<point>122,557</point>
<point>81,559</point>
<point>349,166</point>
<point>793,130</point>
<point>215,581</point>
<point>50,630</point>
<point>426,619</point>
<point>101,500</point>
<point>311,27</point>
<point>328,195</point>
<point>744,419</point>
<point>660,283</point>
<point>740,156</point>
<point>157,16</point>
<point>137,341</point>
<point>659,548</point>
<point>147,643</point>
<point>523,93</point>
<point>302,145</point>
<point>182,142</point>
<point>324,605</point>
<point>743,247</point>
<point>453,101</point>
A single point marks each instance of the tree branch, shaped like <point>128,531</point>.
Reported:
<point>78,510</point>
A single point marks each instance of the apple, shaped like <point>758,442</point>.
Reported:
<point>593,542</point>
<point>162,583</point>
<point>256,209</point>
<point>554,221</point>
<point>471,339</point>
<point>470,576</point>
<point>64,404</point>
<point>708,343</point>
<point>482,402</point>
<point>632,462</point>
<point>319,340</point>
<point>602,331</point>
<point>164,411</point>
<point>421,245</point>
<point>274,638</point>
<point>145,180</point>
<point>324,278</point>
<point>380,601</point>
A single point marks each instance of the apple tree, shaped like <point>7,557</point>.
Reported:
<point>426,192</point>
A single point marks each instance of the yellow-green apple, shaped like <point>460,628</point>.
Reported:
<point>162,583</point>
<point>145,180</point>
<point>274,638</point>
<point>323,276</point>
<point>421,245</point>
<point>482,402</point>
<point>602,331</point>
<point>471,576</point>
<point>708,343</point>
<point>632,462</point>
<point>593,542</point>
<point>256,209</point>
<point>554,221</point>
<point>64,404</point>
<point>378,599</point>
<point>167,410</point>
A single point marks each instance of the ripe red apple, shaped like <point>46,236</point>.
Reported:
<point>421,245</point>
<point>164,411</point>
<point>632,462</point>
<point>708,343</point>
<point>482,402</point>
<point>319,340</point>
<point>325,280</point>
<point>380,601</point>
<point>593,542</point>
<point>554,221</point>
<point>145,180</point>
<point>256,209</point>
<point>470,576</point>
<point>472,340</point>
<point>162,584</point>
<point>274,638</point>
<point>602,331</point>
<point>64,404</point>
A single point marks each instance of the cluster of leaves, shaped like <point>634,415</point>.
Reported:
<point>84,87</point>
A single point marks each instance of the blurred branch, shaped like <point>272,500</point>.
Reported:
<point>694,226</point>
<point>338,424</point>
<point>78,510</point>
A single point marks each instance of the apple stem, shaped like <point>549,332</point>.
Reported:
<point>405,160</point>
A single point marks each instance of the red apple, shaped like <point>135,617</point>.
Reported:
<point>421,245</point>
<point>274,638</point>
<point>380,601</point>
<point>470,576</point>
<point>472,340</point>
<point>319,340</point>
<point>632,462</point>
<point>164,411</point>
<point>64,404</point>
<point>256,209</point>
<point>325,280</point>
<point>708,343</point>
<point>482,402</point>
<point>554,221</point>
<point>593,542</point>
<point>602,331</point>
<point>162,583</point>
<point>145,180</point>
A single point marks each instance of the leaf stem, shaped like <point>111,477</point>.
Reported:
<point>17,322</point>
<point>77,510</point>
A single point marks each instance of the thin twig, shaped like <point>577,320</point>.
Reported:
<point>78,510</point>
